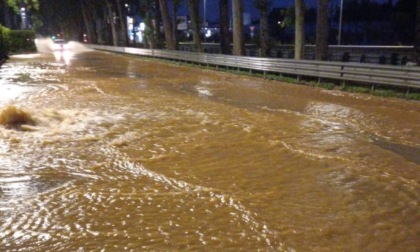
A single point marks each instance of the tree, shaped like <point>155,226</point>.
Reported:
<point>278,20</point>
<point>224,27</point>
<point>263,6</point>
<point>88,24</point>
<point>417,41</point>
<point>123,22</point>
<point>62,17</point>
<point>167,25</point>
<point>111,19</point>
<point>403,20</point>
<point>6,14</point>
<point>194,7</point>
<point>150,12</point>
<point>238,28</point>
<point>299,29</point>
<point>29,4</point>
<point>321,49</point>
<point>175,6</point>
<point>11,9</point>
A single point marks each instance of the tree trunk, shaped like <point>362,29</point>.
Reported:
<point>321,50</point>
<point>175,7</point>
<point>6,13</point>
<point>157,22</point>
<point>238,28</point>
<point>167,25</point>
<point>112,23</point>
<point>123,23</point>
<point>194,8</point>
<point>107,34</point>
<point>224,27</point>
<point>299,29</point>
<point>417,38</point>
<point>99,30</point>
<point>263,6</point>
<point>146,9</point>
<point>150,31</point>
<point>88,24</point>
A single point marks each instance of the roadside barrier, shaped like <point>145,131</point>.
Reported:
<point>371,74</point>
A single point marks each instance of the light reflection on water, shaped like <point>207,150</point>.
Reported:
<point>64,56</point>
<point>137,155</point>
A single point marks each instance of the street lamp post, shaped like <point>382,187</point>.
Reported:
<point>204,23</point>
<point>23,18</point>
<point>205,12</point>
<point>340,22</point>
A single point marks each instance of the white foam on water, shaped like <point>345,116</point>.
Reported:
<point>46,45</point>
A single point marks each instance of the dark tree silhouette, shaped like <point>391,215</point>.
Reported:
<point>238,28</point>
<point>224,26</point>
<point>321,50</point>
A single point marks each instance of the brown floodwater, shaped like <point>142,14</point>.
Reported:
<point>122,153</point>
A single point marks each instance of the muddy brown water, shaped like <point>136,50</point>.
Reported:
<point>133,154</point>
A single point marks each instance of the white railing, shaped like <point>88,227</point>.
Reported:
<point>405,76</point>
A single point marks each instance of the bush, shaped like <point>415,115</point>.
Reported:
<point>414,96</point>
<point>382,60</point>
<point>345,57</point>
<point>4,42</point>
<point>22,41</point>
<point>394,59</point>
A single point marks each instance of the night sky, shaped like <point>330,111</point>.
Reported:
<point>213,7</point>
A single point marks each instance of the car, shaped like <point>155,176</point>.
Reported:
<point>59,45</point>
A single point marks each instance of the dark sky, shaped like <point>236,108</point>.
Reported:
<point>212,8</point>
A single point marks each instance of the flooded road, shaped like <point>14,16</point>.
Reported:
<point>134,154</point>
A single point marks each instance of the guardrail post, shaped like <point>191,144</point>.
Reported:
<point>408,92</point>
<point>343,82</point>
<point>373,88</point>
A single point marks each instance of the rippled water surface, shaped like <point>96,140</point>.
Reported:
<point>134,154</point>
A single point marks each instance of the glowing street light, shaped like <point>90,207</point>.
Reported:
<point>23,17</point>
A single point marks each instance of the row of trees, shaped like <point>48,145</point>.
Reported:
<point>105,22</point>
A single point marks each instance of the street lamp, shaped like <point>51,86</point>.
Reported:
<point>205,12</point>
<point>340,23</point>
<point>23,17</point>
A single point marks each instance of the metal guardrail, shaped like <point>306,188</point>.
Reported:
<point>375,54</point>
<point>404,76</point>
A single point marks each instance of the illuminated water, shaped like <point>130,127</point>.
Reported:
<point>131,154</point>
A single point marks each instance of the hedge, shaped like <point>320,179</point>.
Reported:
<point>14,41</point>
<point>22,41</point>
<point>4,42</point>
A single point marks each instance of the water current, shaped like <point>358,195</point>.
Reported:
<point>106,152</point>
